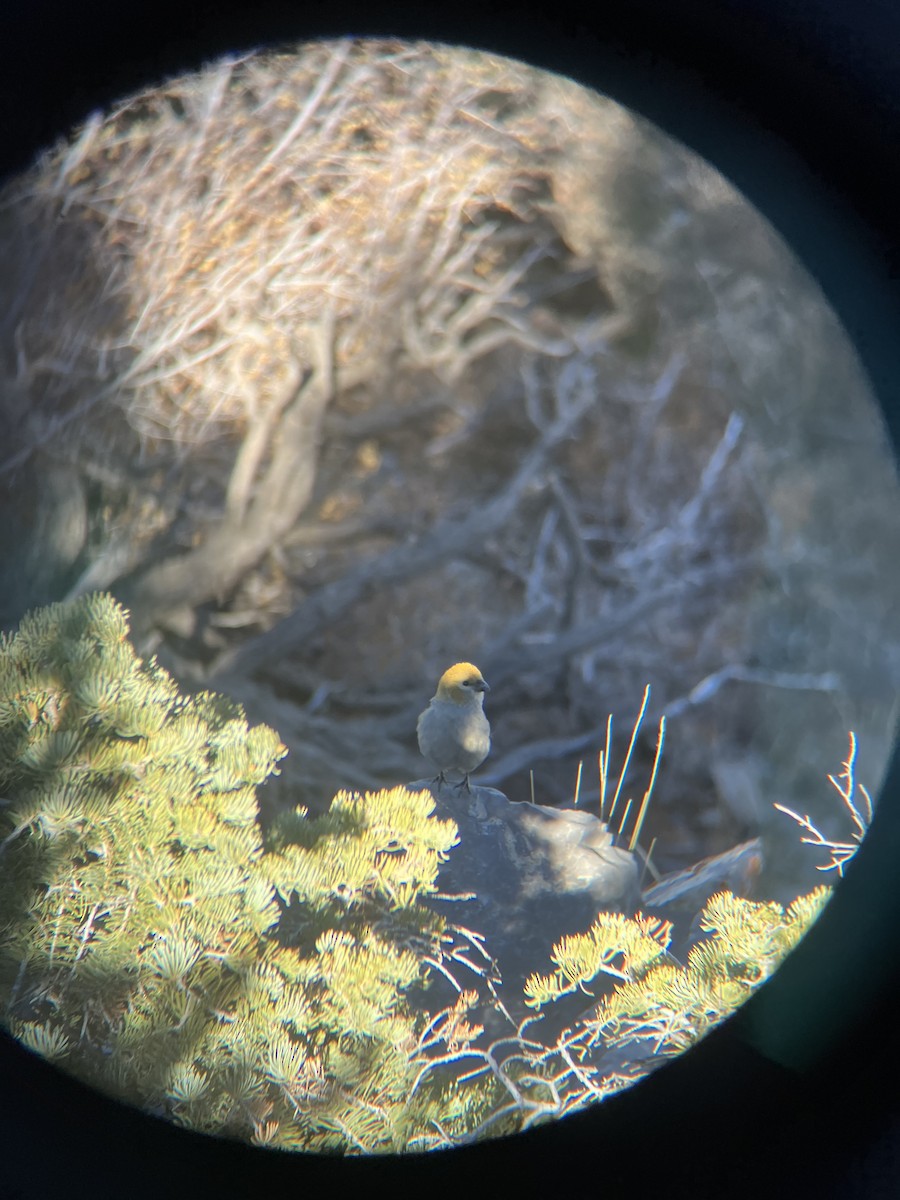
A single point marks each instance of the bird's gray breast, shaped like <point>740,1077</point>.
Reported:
<point>454,736</point>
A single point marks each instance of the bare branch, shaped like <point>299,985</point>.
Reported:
<point>701,693</point>
<point>280,496</point>
<point>448,539</point>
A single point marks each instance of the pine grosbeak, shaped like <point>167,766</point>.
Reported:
<point>453,731</point>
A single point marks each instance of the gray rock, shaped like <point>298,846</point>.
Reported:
<point>524,876</point>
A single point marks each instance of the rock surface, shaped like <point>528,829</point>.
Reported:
<point>524,876</point>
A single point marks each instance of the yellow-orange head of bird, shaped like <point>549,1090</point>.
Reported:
<point>461,683</point>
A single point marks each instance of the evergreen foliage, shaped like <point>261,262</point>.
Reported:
<point>747,941</point>
<point>155,945</point>
<point>673,1006</point>
<point>657,1007</point>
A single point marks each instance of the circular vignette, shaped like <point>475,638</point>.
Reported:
<point>658,70</point>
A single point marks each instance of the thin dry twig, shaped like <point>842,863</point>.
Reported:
<point>846,786</point>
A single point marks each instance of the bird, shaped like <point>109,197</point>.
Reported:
<point>453,731</point>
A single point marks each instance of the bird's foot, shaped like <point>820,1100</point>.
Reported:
<point>463,783</point>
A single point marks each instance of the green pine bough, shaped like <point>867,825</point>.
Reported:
<point>142,915</point>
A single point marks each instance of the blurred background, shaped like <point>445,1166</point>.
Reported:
<point>342,364</point>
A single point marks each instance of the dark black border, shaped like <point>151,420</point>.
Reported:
<point>799,105</point>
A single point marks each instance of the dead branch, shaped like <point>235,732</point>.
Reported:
<point>449,539</point>
<point>600,632</point>
<point>249,530</point>
<point>701,693</point>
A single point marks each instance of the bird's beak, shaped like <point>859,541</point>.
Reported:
<point>484,686</point>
